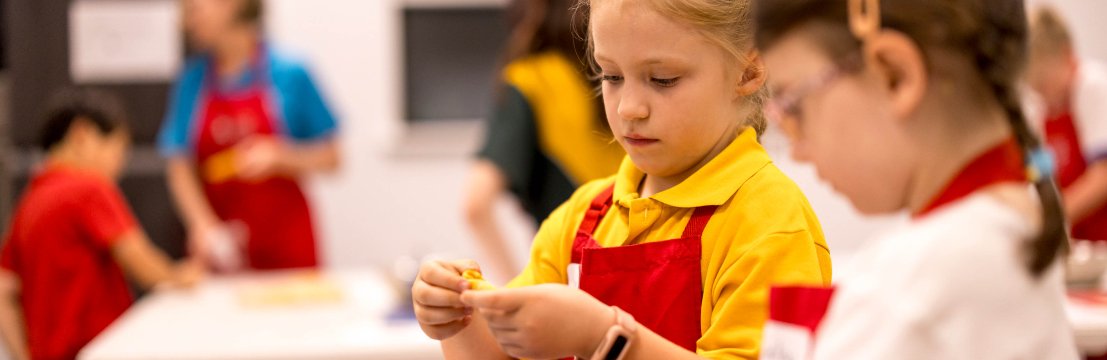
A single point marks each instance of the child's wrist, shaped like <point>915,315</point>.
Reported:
<point>596,332</point>
<point>288,157</point>
<point>618,339</point>
<point>203,221</point>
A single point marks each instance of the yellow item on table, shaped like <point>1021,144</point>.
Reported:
<point>220,167</point>
<point>302,289</point>
<point>476,280</point>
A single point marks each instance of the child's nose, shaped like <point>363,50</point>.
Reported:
<point>632,106</point>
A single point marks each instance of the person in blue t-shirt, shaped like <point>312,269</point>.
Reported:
<point>245,123</point>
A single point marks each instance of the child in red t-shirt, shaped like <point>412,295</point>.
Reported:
<point>73,237</point>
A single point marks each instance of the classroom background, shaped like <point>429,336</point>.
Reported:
<point>410,81</point>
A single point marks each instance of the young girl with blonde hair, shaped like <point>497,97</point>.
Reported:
<point>673,256</point>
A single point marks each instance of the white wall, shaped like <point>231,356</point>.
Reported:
<point>383,206</point>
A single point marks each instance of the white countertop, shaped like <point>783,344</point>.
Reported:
<point>1089,322</point>
<point>212,322</point>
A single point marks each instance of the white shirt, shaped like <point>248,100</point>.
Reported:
<point>949,286</point>
<point>1090,108</point>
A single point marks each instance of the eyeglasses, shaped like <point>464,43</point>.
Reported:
<point>785,109</point>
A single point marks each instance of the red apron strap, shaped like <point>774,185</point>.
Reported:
<point>602,203</point>
<point>592,217</point>
<point>596,211</point>
<point>698,222</point>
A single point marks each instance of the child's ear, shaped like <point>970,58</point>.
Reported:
<point>900,69</point>
<point>752,78</point>
<point>1071,60</point>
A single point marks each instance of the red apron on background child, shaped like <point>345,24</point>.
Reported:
<point>1063,136</point>
<point>274,211</point>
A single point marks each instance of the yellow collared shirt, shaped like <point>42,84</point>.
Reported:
<point>763,234</point>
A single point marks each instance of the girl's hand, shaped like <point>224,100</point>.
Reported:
<point>437,298</point>
<point>189,272</point>
<point>219,245</point>
<point>544,321</point>
<point>199,240</point>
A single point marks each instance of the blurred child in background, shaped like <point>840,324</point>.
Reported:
<point>906,105</point>
<point>1073,113</point>
<point>546,135</point>
<point>245,124</point>
<point>73,237</point>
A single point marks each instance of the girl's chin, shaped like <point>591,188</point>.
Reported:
<point>870,208</point>
<point>653,166</point>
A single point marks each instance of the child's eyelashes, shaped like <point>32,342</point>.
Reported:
<point>670,82</point>
<point>662,82</point>
<point>611,78</point>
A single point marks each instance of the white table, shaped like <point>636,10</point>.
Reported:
<point>211,322</point>
<point>1089,324</point>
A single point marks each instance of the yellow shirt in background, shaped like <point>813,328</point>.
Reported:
<point>763,234</point>
<point>564,106</point>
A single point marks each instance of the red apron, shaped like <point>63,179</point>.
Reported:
<point>273,211</point>
<point>659,283</point>
<point>1063,138</point>
<point>795,313</point>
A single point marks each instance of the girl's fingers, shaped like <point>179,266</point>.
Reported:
<point>437,297</point>
<point>441,332</point>
<point>461,265</point>
<point>439,315</point>
<point>427,295</point>
<point>497,318</point>
<point>508,339</point>
<point>503,329</point>
<point>504,300</point>
<point>443,274</point>
<point>513,350</point>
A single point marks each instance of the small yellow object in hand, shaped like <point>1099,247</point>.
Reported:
<point>476,280</point>
<point>220,167</point>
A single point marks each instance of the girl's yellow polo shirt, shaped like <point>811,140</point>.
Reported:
<point>764,233</point>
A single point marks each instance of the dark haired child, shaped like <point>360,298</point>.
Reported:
<point>73,239</point>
